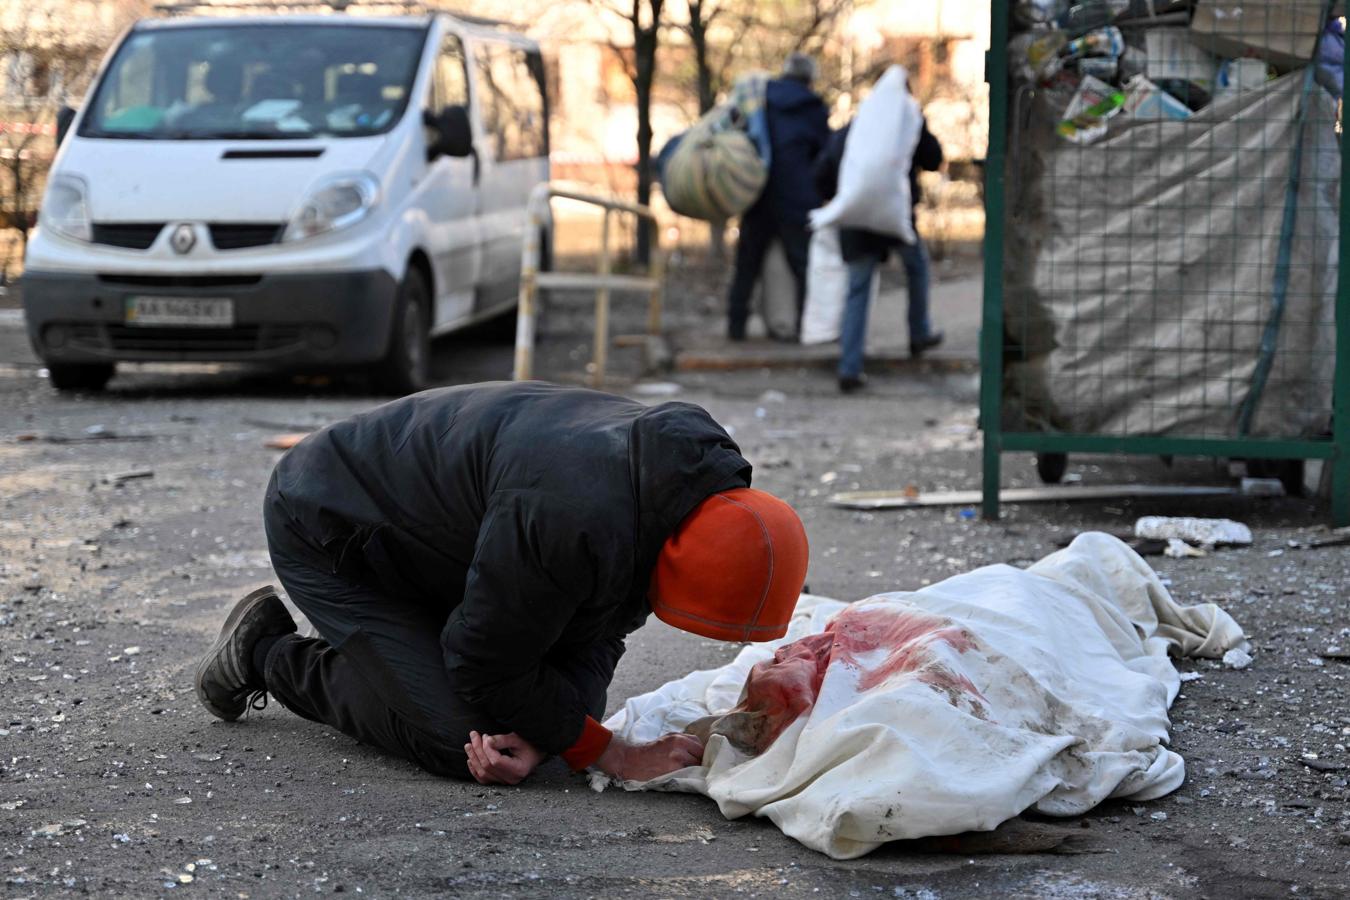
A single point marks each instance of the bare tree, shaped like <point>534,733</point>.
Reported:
<point>644,20</point>
<point>48,53</point>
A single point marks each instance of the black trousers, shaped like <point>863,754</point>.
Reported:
<point>759,228</point>
<point>376,673</point>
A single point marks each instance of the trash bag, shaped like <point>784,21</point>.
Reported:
<point>716,170</point>
<point>874,173</point>
<point>826,289</point>
<point>775,297</point>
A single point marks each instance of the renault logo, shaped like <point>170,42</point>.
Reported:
<point>183,239</point>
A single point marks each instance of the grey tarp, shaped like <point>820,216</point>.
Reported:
<point>1141,269</point>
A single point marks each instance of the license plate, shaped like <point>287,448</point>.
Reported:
<point>199,312</point>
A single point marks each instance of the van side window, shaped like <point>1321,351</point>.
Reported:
<point>452,75</point>
<point>512,100</point>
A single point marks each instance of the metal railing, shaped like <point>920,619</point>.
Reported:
<point>603,281</point>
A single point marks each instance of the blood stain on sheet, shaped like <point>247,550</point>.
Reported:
<point>778,691</point>
<point>906,636</point>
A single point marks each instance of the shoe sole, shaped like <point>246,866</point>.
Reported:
<point>241,609</point>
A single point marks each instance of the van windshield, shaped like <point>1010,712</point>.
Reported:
<point>250,82</point>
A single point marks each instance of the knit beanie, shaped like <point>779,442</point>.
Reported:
<point>732,569</point>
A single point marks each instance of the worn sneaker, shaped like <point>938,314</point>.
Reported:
<point>225,684</point>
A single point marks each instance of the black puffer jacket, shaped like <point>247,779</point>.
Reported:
<point>530,514</point>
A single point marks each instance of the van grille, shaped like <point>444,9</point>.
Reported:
<point>127,235</point>
<point>240,341</point>
<point>181,281</point>
<point>237,236</point>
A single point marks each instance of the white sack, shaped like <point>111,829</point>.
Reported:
<point>826,288</point>
<point>1069,686</point>
<point>874,173</point>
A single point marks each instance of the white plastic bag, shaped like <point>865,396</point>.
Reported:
<point>874,173</point>
<point>826,288</point>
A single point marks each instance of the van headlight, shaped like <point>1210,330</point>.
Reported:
<point>335,203</point>
<point>66,208</point>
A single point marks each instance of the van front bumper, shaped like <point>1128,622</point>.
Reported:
<point>319,318</point>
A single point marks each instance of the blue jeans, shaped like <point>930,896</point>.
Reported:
<point>853,332</point>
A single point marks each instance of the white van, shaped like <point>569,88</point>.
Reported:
<point>311,192</point>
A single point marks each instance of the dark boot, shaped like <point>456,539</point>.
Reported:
<point>917,348</point>
<point>851,384</point>
<point>226,681</point>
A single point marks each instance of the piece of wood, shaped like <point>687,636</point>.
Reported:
<point>284,441</point>
<point>1055,494</point>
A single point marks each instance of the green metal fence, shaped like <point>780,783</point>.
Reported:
<point>1165,221</point>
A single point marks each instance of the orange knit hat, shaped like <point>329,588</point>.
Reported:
<point>733,569</point>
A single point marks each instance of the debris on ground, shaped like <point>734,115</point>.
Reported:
<point>1204,533</point>
<point>1237,658</point>
<point>1056,494</point>
<point>656,389</point>
<point>1179,549</point>
<point>117,478</point>
<point>284,441</point>
<point>89,437</point>
<point>1262,487</point>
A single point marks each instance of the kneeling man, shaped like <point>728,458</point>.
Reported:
<point>473,558</point>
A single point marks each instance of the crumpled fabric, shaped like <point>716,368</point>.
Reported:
<point>980,697</point>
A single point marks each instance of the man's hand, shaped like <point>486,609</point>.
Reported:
<point>643,762</point>
<point>501,758</point>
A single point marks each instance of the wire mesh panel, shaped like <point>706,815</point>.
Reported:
<point>1168,175</point>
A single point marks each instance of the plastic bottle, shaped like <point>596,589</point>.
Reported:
<point>1102,42</point>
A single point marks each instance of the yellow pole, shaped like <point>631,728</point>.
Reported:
<point>602,310</point>
<point>529,291</point>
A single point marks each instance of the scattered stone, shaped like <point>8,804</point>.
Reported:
<point>1237,658</point>
<point>1322,765</point>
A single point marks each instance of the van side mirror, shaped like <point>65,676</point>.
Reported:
<point>65,117</point>
<point>453,134</point>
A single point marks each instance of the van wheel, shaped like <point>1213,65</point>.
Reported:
<point>406,368</point>
<point>80,377</point>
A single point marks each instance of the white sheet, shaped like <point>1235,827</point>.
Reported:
<point>1070,683</point>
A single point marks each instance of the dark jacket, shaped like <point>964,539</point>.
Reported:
<point>530,515</point>
<point>798,129</point>
<point>857,243</point>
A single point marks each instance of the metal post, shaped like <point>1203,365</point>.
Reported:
<point>658,274</point>
<point>1340,462</point>
<point>529,291</point>
<point>991,325</point>
<point>601,353</point>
